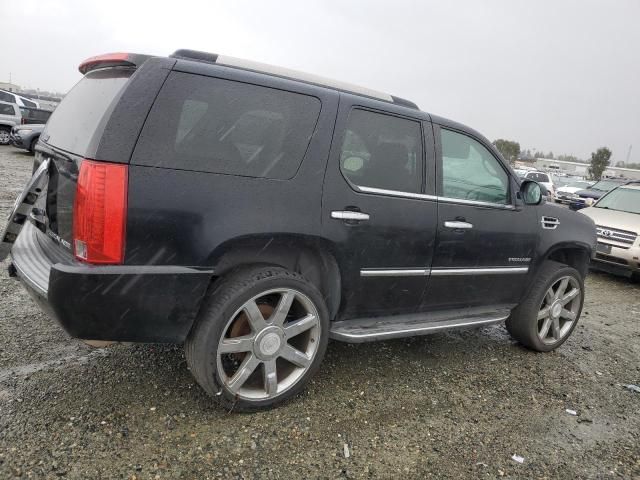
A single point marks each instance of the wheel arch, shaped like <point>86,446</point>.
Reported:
<point>313,257</point>
<point>576,255</point>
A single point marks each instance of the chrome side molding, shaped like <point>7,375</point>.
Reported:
<point>394,272</point>
<point>440,272</point>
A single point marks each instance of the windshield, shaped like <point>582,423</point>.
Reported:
<point>605,185</point>
<point>623,199</point>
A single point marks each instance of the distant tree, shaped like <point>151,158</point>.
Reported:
<point>549,155</point>
<point>620,164</point>
<point>509,149</point>
<point>538,154</point>
<point>599,162</point>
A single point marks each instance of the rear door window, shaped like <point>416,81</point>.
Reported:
<point>75,121</point>
<point>213,125</point>
<point>382,151</point>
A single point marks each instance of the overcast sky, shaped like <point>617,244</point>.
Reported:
<point>554,75</point>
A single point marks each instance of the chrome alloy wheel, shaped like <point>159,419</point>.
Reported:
<point>4,137</point>
<point>559,310</point>
<point>268,344</point>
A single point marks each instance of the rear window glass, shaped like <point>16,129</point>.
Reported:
<point>35,115</point>
<point>220,126</point>
<point>538,177</point>
<point>28,103</point>
<point>74,122</point>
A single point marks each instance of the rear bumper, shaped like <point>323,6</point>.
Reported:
<point>118,303</point>
<point>561,198</point>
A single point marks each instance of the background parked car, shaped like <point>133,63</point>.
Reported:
<point>26,136</point>
<point>543,179</point>
<point>587,197</point>
<point>565,193</point>
<point>617,218</point>
<point>19,100</point>
<point>9,117</point>
<point>34,115</point>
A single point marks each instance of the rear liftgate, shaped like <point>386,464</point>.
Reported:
<point>23,208</point>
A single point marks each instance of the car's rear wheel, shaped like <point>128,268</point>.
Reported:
<point>259,338</point>
<point>546,318</point>
<point>4,136</point>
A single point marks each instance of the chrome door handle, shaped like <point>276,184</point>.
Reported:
<point>458,225</point>
<point>349,215</point>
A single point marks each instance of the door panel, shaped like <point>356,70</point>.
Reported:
<point>486,261</point>
<point>385,257</point>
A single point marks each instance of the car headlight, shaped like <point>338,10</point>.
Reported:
<point>588,201</point>
<point>22,131</point>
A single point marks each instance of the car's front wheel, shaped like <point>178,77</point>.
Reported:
<point>546,318</point>
<point>259,338</point>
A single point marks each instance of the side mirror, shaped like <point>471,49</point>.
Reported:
<point>531,192</point>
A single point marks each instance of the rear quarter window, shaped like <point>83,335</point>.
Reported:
<point>6,109</point>
<point>213,125</point>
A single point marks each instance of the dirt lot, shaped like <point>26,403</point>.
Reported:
<point>455,405</point>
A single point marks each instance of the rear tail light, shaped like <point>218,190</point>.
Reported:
<point>100,213</point>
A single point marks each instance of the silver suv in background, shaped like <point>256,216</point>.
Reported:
<point>10,116</point>
<point>19,100</point>
<point>617,218</point>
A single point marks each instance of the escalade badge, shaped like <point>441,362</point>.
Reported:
<point>520,259</point>
<point>606,233</point>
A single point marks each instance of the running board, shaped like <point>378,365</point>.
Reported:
<point>383,328</point>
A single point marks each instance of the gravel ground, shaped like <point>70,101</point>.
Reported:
<point>452,405</point>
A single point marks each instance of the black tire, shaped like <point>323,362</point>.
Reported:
<point>225,299</point>
<point>32,145</point>
<point>4,135</point>
<point>523,324</point>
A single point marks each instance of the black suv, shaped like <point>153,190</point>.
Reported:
<point>253,213</point>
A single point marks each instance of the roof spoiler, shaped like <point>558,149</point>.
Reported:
<point>118,59</point>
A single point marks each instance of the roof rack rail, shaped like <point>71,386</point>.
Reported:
<point>227,61</point>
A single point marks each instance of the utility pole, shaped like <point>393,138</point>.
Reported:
<point>628,154</point>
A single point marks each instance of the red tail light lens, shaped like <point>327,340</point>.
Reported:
<point>100,212</point>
